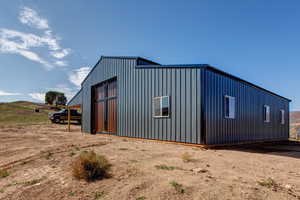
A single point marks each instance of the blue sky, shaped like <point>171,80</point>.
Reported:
<point>52,44</point>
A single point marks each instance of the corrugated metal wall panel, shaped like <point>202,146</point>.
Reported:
<point>248,124</point>
<point>137,87</point>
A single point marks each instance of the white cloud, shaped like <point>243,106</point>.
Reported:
<point>30,17</point>
<point>38,96</point>
<point>3,93</point>
<point>34,57</point>
<point>27,44</point>
<point>10,44</point>
<point>77,76</point>
<point>61,63</point>
<point>61,54</point>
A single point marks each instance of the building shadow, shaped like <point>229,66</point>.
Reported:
<point>280,148</point>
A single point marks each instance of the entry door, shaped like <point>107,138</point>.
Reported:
<point>105,107</point>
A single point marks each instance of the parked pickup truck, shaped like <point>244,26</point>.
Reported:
<point>62,116</point>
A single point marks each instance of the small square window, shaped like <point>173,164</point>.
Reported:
<point>266,113</point>
<point>161,106</point>
<point>229,107</point>
<point>282,121</point>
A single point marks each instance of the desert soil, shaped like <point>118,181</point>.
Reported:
<point>38,159</point>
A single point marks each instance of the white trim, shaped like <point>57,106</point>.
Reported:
<point>282,117</point>
<point>231,107</point>
<point>267,113</point>
<point>153,108</point>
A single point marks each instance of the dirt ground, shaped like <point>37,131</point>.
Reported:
<point>38,159</point>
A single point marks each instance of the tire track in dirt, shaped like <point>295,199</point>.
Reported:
<point>57,150</point>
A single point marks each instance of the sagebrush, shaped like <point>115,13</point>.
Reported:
<point>91,166</point>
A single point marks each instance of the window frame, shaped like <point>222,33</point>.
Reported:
<point>229,116</point>
<point>282,116</point>
<point>267,113</point>
<point>161,110</point>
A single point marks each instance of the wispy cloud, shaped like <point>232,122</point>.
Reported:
<point>61,54</point>
<point>61,63</point>
<point>30,17</point>
<point>78,75</point>
<point>38,96</point>
<point>27,44</point>
<point>3,93</point>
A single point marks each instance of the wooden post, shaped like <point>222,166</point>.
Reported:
<point>69,119</point>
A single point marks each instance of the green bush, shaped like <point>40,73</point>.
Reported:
<point>178,187</point>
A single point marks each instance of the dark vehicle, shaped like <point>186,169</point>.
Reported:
<point>62,116</point>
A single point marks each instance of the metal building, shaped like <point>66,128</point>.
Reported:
<point>135,97</point>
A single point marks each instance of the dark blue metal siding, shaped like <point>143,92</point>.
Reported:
<point>136,88</point>
<point>248,124</point>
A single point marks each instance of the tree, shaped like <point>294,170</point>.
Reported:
<point>61,100</point>
<point>54,97</point>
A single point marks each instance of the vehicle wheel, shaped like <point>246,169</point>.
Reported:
<point>57,120</point>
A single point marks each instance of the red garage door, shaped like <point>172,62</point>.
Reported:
<point>105,107</point>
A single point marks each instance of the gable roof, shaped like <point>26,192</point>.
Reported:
<point>139,60</point>
<point>148,64</point>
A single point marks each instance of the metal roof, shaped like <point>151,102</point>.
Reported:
<point>150,64</point>
<point>243,81</point>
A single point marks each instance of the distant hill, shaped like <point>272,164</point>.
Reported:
<point>23,112</point>
<point>294,123</point>
<point>295,117</point>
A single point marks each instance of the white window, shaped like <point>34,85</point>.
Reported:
<point>266,113</point>
<point>161,106</point>
<point>282,117</point>
<point>229,107</point>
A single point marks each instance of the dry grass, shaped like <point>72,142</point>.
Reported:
<point>3,173</point>
<point>269,183</point>
<point>90,166</point>
<point>186,157</point>
<point>23,113</point>
<point>33,182</point>
<point>98,195</point>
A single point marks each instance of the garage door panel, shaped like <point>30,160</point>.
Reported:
<point>99,116</point>
<point>105,102</point>
<point>112,115</point>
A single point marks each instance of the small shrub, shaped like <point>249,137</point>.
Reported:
<point>72,153</point>
<point>98,195</point>
<point>133,161</point>
<point>269,182</point>
<point>123,149</point>
<point>186,157</point>
<point>141,198</point>
<point>48,155</point>
<point>1,190</point>
<point>90,166</point>
<point>72,193</point>
<point>3,173</point>
<point>33,182</point>
<point>164,167</point>
<point>178,187</point>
